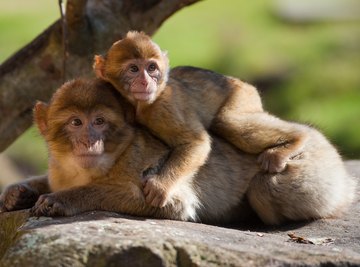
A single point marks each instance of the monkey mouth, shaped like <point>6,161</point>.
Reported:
<point>143,95</point>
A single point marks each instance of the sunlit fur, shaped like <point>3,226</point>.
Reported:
<point>66,151</point>
<point>119,186</point>
<point>195,101</point>
<point>313,185</point>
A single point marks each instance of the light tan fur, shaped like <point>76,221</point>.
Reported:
<point>181,107</point>
<point>314,184</point>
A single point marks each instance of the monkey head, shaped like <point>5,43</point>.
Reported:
<point>136,66</point>
<point>84,123</point>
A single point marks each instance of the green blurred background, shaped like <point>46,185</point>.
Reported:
<point>306,63</point>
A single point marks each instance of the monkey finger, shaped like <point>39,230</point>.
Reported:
<point>40,200</point>
<point>149,198</point>
<point>159,201</point>
<point>265,165</point>
<point>57,209</point>
<point>41,206</point>
<point>278,167</point>
<point>155,203</point>
<point>146,189</point>
<point>34,211</point>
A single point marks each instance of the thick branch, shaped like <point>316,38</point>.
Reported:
<point>34,72</point>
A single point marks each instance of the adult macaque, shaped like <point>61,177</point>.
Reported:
<point>181,107</point>
<point>97,158</point>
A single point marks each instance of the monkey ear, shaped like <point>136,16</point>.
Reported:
<point>99,67</point>
<point>40,116</point>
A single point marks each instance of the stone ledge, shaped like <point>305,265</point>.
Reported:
<point>109,239</point>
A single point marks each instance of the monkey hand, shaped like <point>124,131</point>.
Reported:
<point>49,205</point>
<point>17,197</point>
<point>272,160</point>
<point>156,193</point>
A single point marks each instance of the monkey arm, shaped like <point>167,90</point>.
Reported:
<point>184,161</point>
<point>190,145</point>
<point>187,157</point>
<point>24,194</point>
<point>125,197</point>
<point>40,183</point>
<point>95,196</point>
<point>182,130</point>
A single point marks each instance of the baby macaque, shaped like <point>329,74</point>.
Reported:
<point>98,156</point>
<point>181,107</point>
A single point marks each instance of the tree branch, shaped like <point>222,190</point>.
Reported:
<point>34,72</point>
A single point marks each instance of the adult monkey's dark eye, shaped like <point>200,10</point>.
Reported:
<point>76,122</point>
<point>152,67</point>
<point>134,68</point>
<point>99,121</point>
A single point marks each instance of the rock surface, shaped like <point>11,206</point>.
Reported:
<point>109,239</point>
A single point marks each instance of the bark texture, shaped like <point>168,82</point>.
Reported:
<point>34,72</point>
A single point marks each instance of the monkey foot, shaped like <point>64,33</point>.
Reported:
<point>272,161</point>
<point>155,192</point>
<point>17,197</point>
<point>49,205</point>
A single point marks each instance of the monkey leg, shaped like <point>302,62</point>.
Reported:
<point>281,197</point>
<point>308,189</point>
<point>242,121</point>
<point>276,141</point>
<point>23,195</point>
<point>260,197</point>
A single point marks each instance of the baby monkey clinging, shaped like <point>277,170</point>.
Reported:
<point>181,105</point>
<point>97,156</point>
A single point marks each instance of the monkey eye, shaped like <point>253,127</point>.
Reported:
<point>99,121</point>
<point>76,122</point>
<point>134,68</point>
<point>152,67</point>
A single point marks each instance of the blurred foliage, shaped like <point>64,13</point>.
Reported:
<point>306,72</point>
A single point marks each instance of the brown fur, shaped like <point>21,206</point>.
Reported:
<point>308,188</point>
<point>181,108</point>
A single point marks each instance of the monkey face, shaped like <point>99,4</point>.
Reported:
<point>136,67</point>
<point>83,123</point>
<point>140,78</point>
<point>86,133</point>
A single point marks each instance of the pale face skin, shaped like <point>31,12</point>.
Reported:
<point>141,78</point>
<point>87,131</point>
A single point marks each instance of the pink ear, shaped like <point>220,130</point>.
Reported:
<point>99,67</point>
<point>40,117</point>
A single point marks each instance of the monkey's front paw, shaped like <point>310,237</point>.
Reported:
<point>49,205</point>
<point>155,192</point>
<point>272,161</point>
<point>17,197</point>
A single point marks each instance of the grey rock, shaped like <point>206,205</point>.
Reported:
<point>110,239</point>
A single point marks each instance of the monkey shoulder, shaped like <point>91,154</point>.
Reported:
<point>185,71</point>
<point>198,79</point>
